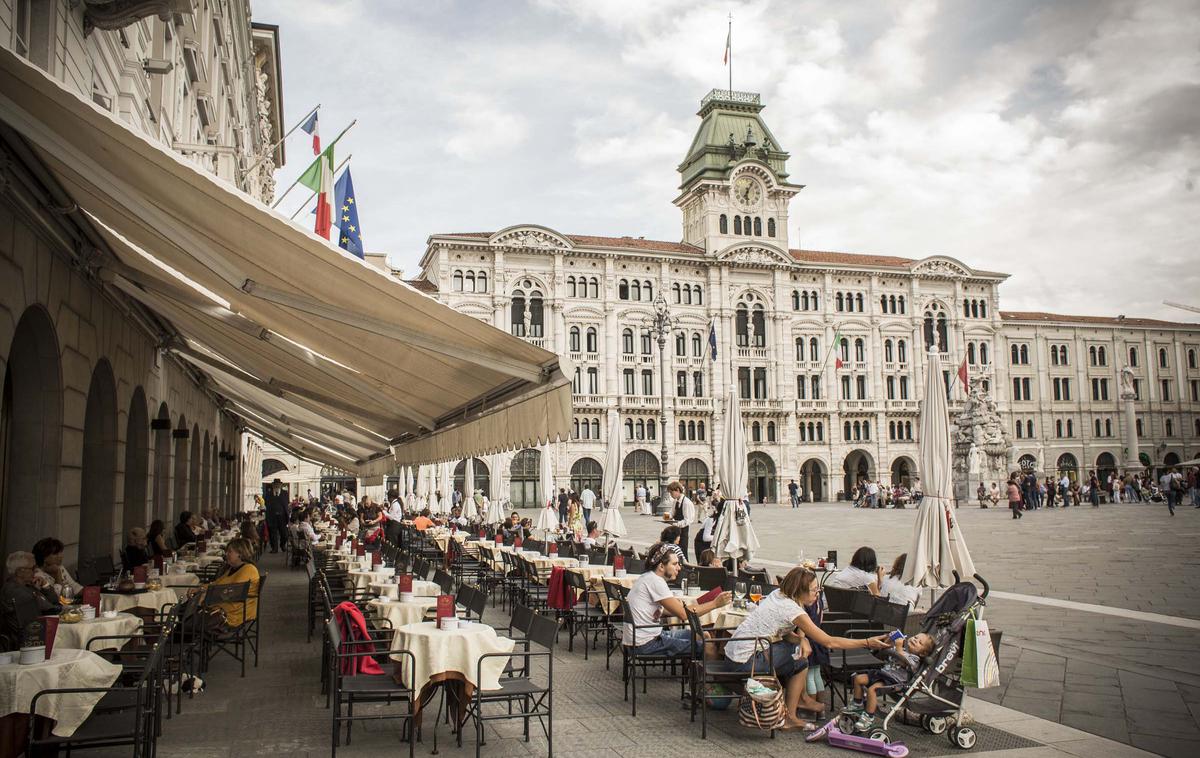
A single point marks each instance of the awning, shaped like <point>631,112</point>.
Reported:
<point>317,350</point>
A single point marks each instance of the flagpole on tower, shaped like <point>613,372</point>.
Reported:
<point>308,200</point>
<point>271,151</point>
<point>729,46</point>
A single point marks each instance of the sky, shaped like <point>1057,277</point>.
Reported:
<point>1058,141</point>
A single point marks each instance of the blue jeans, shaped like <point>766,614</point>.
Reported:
<point>670,642</point>
<point>780,656</point>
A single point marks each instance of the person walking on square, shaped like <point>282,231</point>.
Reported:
<point>794,493</point>
<point>1172,485</point>
<point>563,503</point>
<point>1014,497</point>
<point>277,516</point>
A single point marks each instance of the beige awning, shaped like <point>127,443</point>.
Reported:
<point>314,348</point>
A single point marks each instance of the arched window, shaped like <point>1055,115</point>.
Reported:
<point>594,288</point>
<point>698,295</point>
<point>1162,357</point>
<point>840,302</point>
<point>647,342</point>
<point>457,281</point>
<point>844,349</point>
<point>942,335</point>
<point>804,300</point>
<point>858,302</point>
<point>971,353</point>
<point>635,290</point>
<point>815,305</point>
<point>481,282</point>
<point>469,283</point>
<point>770,431</point>
<point>746,225</point>
<point>517,313</point>
<point>795,300</point>
<point>983,353</point>
<point>887,351</point>
<point>1191,354</point>
<point>575,429</point>
<point>737,224</point>
<point>680,345</point>
<point>1025,355</point>
<point>590,340</point>
<point>571,291</point>
<point>982,309</point>
<point>523,479</point>
<point>697,345</point>
<point>846,431</point>
<point>627,341</point>
<point>577,382</point>
<point>724,224</point>
<point>770,227</point>
<point>814,351</point>
<point>902,351</point>
<point>623,290</point>
<point>756,432</point>
<point>574,339</point>
<point>757,226</point>
<point>687,295</point>
<point>900,303</point>
<point>760,328</point>
<point>741,321</point>
<point>691,430</point>
<point>966,309</point>
<point>536,315</point>
<point>628,428</point>
<point>682,430</point>
<point>650,429</point>
<point>675,293</point>
<point>860,350</point>
<point>648,290</point>
<point>1133,356</point>
<point>700,430</point>
<point>866,430</point>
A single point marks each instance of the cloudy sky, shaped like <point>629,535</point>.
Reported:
<point>1058,141</point>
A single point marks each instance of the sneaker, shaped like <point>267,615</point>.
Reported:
<point>864,723</point>
<point>854,709</point>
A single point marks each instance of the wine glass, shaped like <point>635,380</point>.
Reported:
<point>739,592</point>
<point>755,592</point>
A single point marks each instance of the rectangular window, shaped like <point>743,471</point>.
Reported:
<point>861,382</point>
<point>904,388</point>
<point>744,383</point>
<point>760,383</point>
<point>629,385</point>
<point>681,384</point>
<point>816,387</point>
<point>802,387</point>
<point>648,383</point>
<point>1166,390</point>
<point>891,388</point>
<point>698,383</point>
<point>845,388</point>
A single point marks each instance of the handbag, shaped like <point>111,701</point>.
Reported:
<point>980,669</point>
<point>762,701</point>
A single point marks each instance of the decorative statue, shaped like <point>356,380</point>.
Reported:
<point>750,331</point>
<point>527,320</point>
<point>973,459</point>
<point>1128,392</point>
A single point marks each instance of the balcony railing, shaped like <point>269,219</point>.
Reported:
<point>754,353</point>
<point>590,401</point>
<point>903,405</point>
<point>756,404</point>
<point>694,403</point>
<point>638,359</point>
<point>578,357</point>
<point>639,402</point>
<point>812,406</point>
<point>858,406</point>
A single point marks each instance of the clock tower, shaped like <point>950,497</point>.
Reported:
<point>734,182</point>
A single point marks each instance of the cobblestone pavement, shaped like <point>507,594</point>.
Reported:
<point>1133,677</point>
<point>277,710</point>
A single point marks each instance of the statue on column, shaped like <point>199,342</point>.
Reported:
<point>750,330</point>
<point>527,320</point>
<point>1128,390</point>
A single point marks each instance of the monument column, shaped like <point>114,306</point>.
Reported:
<point>1133,460</point>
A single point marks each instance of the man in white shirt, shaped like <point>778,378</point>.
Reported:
<point>651,597</point>
<point>683,513</point>
<point>872,494</point>
<point>395,514</point>
<point>639,499</point>
<point>456,516</point>
<point>306,528</point>
<point>588,499</point>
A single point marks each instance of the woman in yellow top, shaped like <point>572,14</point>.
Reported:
<point>238,569</point>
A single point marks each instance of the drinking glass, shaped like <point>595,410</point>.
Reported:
<point>683,585</point>
<point>756,592</point>
<point>739,592</point>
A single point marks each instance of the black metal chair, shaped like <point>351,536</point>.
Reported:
<point>348,689</point>
<point>586,615</point>
<point>672,667</point>
<point>224,638</point>
<point>719,670</point>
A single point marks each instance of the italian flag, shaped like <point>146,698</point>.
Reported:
<point>319,178</point>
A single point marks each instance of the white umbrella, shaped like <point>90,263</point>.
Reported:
<point>609,522</point>
<point>938,547</point>
<point>469,488</point>
<point>495,509</point>
<point>546,475</point>
<point>423,487</point>
<point>547,519</point>
<point>734,536</point>
<point>408,484</point>
<point>447,501</point>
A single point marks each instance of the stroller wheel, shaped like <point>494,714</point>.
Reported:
<point>962,737</point>
<point>934,724</point>
<point>846,723</point>
<point>879,736</point>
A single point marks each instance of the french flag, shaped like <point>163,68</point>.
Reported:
<point>312,127</point>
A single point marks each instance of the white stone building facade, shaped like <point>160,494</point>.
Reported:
<point>826,350</point>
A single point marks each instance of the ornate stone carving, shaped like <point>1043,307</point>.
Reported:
<point>118,14</point>
<point>940,268</point>
<point>529,238</point>
<point>266,138</point>
<point>754,256</point>
<point>981,444</point>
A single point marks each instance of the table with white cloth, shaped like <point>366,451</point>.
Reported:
<point>67,668</point>
<point>450,656</point>
<point>361,580</point>
<point>403,613</point>
<point>180,583</point>
<point>75,636</point>
<point>420,588</point>
<point>443,540</point>
<point>152,599</point>
<point>597,583</point>
<point>543,563</point>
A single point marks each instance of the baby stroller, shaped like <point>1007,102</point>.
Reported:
<point>935,691</point>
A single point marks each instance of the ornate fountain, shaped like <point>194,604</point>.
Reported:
<point>981,444</point>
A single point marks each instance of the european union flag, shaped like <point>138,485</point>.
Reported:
<point>345,215</point>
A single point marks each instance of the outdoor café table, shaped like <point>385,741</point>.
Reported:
<point>403,613</point>
<point>597,584</point>
<point>361,579</point>
<point>450,656</point>
<point>546,562</point>
<point>421,588</point>
<point>75,636</point>
<point>152,599</point>
<point>67,668</point>
<point>443,539</point>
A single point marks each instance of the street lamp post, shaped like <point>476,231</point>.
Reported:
<point>660,325</point>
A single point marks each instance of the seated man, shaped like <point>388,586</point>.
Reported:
<point>904,662</point>
<point>457,518</point>
<point>422,521</point>
<point>650,598</point>
<point>511,528</point>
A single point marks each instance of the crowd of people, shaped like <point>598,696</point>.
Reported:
<point>1028,492</point>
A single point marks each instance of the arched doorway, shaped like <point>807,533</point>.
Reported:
<point>480,471</point>
<point>812,480</point>
<point>902,472</point>
<point>760,471</point>
<point>640,467</point>
<point>1171,459</point>
<point>587,473</point>
<point>137,462</point>
<point>160,504</point>
<point>1067,464</point>
<point>1027,464</point>
<point>1106,465</point>
<point>523,478</point>
<point>98,473</point>
<point>693,473</point>
<point>272,466</point>
<point>857,466</point>
<point>30,432</point>
<point>193,483</point>
<point>180,475</point>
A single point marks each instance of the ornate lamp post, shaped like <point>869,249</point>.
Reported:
<point>660,325</point>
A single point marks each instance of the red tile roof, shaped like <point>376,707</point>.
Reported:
<point>1043,317</point>
<point>851,259</point>
<point>424,285</point>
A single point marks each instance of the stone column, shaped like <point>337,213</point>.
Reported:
<point>1132,458</point>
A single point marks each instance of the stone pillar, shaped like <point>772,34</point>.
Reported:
<point>1132,458</point>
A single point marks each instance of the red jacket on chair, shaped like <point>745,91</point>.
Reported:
<point>355,639</point>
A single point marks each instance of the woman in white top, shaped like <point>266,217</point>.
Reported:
<point>897,591</point>
<point>50,571</point>
<point>864,572</point>
<point>782,612</point>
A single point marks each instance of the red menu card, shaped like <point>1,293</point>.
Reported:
<point>360,550</point>
<point>517,543</point>
<point>337,543</point>
<point>445,608</point>
<point>482,535</point>
<point>201,546</point>
<point>139,573</point>
<point>158,562</point>
<point>91,596</point>
<point>49,629</point>
<point>553,548</point>
<point>499,540</point>
<point>619,563</point>
<point>376,558</point>
<point>404,583</point>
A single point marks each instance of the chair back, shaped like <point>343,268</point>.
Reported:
<point>862,604</point>
<point>543,630</point>
<point>567,549</point>
<point>444,581</point>
<point>227,593</point>
<point>635,565</point>
<point>838,599</point>
<point>575,580</point>
<point>890,615</point>
<point>708,578</point>
<point>522,617</point>
<point>754,577</point>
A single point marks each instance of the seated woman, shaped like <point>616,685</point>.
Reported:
<point>136,553</point>
<point>22,591</point>
<point>48,555</point>
<point>239,554</point>
<point>895,590</point>
<point>592,537</point>
<point>709,559</point>
<point>671,536</point>
<point>782,612</point>
<point>864,572</point>
<point>184,534</point>
<point>156,539</point>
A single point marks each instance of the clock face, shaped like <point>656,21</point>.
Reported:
<point>746,191</point>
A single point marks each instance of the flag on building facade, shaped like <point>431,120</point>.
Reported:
<point>350,233</point>
<point>728,43</point>
<point>962,374</point>
<point>712,338</point>
<point>319,178</point>
<point>312,127</point>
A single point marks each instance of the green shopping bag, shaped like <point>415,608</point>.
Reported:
<point>970,656</point>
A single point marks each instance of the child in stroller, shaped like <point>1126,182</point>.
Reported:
<point>904,662</point>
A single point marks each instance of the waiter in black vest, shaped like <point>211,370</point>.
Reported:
<point>683,513</point>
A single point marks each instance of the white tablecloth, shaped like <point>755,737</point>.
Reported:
<point>421,588</point>
<point>180,580</point>
<point>439,651</point>
<point>75,636</point>
<point>403,614</point>
<point>152,599</point>
<point>66,669</point>
<point>361,580</point>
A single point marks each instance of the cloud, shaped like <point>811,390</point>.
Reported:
<point>480,129</point>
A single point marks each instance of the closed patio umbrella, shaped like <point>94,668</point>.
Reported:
<point>468,500</point>
<point>444,486</point>
<point>546,475</point>
<point>495,511</point>
<point>938,547</point>
<point>609,522</point>
<point>734,535</point>
<point>408,486</point>
<point>423,487</point>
